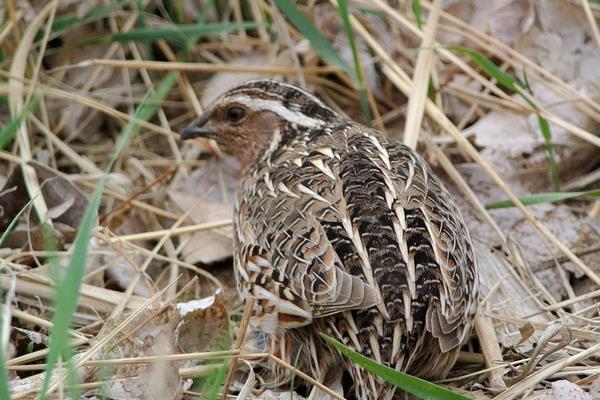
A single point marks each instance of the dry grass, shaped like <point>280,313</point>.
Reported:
<point>165,217</point>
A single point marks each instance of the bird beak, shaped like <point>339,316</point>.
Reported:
<point>199,128</point>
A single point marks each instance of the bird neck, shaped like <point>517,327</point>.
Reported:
<point>249,150</point>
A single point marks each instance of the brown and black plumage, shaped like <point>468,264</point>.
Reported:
<point>341,230</point>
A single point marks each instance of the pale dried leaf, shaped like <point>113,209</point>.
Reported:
<point>216,180</point>
<point>506,294</point>
<point>576,231</point>
<point>34,337</point>
<point>277,395</point>
<point>565,390</point>
<point>595,389</point>
<point>195,305</point>
<point>119,268</point>
<point>246,390</point>
<point>206,247</point>
<point>505,20</point>
<point>147,381</point>
<point>523,157</point>
<point>207,196</point>
<point>204,324</point>
<point>57,192</point>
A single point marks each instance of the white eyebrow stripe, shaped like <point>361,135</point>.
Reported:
<point>276,107</point>
<point>248,86</point>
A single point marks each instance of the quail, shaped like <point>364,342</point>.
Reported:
<point>342,231</point>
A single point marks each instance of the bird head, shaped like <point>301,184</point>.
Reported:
<point>250,119</point>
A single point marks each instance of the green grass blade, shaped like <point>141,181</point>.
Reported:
<point>547,134</point>
<point>66,302</point>
<point>14,221</point>
<point>543,198</point>
<point>358,76</point>
<point>343,10</point>
<point>363,101</point>
<point>217,380</point>
<point>175,10</point>
<point>516,86</point>
<point>8,132</point>
<point>506,80</point>
<point>316,38</point>
<point>411,384</point>
<point>526,81</point>
<point>149,107</point>
<point>66,21</point>
<point>175,32</point>
<point>210,386</point>
<point>416,9</point>
<point>208,5</point>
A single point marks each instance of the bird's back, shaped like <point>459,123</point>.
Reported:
<point>358,237</point>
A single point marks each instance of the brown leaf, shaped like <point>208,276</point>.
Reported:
<point>595,388</point>
<point>207,196</point>
<point>123,265</point>
<point>66,203</point>
<point>204,324</point>
<point>156,380</point>
<point>575,231</point>
<point>206,247</point>
<point>13,198</point>
<point>63,198</point>
<point>565,390</point>
<point>527,331</point>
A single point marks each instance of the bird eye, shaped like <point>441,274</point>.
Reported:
<point>235,114</point>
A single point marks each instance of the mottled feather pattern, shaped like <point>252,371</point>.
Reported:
<point>309,229</point>
<point>343,231</point>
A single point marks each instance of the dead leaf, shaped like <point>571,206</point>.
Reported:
<point>204,324</point>
<point>66,203</point>
<point>505,20</point>
<point>13,198</point>
<point>506,294</point>
<point>156,380</point>
<point>207,196</point>
<point>565,390</point>
<point>523,158</point>
<point>575,231</point>
<point>527,331</point>
<point>278,395</point>
<point>595,389</point>
<point>123,267</point>
<point>59,193</point>
<point>33,336</point>
<point>557,40</point>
